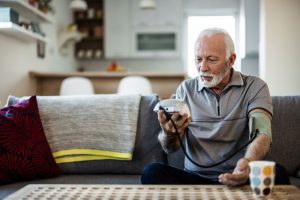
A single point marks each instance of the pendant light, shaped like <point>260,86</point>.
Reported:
<point>78,5</point>
<point>147,4</point>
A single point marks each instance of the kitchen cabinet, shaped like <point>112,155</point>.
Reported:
<point>156,42</point>
<point>30,13</point>
<point>128,27</point>
<point>90,24</point>
<point>117,30</point>
<point>166,13</point>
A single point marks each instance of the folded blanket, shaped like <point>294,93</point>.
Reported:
<point>91,127</point>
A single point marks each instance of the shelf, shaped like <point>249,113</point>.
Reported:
<point>65,38</point>
<point>90,24</point>
<point>105,74</point>
<point>91,39</point>
<point>91,20</point>
<point>20,33</point>
<point>26,10</point>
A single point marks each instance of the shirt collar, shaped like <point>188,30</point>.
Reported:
<point>236,80</point>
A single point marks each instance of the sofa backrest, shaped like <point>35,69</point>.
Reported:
<point>147,149</point>
<point>285,134</point>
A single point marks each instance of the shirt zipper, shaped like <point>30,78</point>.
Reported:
<point>218,104</point>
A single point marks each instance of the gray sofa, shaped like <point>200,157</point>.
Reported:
<point>285,150</point>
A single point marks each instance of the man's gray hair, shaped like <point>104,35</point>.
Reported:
<point>228,40</point>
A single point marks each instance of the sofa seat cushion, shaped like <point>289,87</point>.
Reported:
<point>295,181</point>
<point>24,150</point>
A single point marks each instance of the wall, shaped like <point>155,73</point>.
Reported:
<point>278,55</point>
<point>249,36</point>
<point>280,46</point>
<point>211,4</point>
<point>18,58</point>
<point>164,64</point>
<point>125,19</point>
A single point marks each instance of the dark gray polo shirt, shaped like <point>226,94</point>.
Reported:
<point>220,122</point>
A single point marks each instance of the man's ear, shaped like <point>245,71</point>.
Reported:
<point>232,59</point>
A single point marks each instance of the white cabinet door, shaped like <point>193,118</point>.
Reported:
<point>141,17</point>
<point>166,13</point>
<point>124,19</point>
<point>117,28</point>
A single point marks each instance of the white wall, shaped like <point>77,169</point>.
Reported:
<point>249,36</point>
<point>165,64</point>
<point>279,49</point>
<point>17,58</point>
<point>280,46</point>
<point>210,4</point>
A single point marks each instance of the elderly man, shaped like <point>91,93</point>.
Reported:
<point>226,106</point>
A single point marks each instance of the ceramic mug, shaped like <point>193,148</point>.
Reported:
<point>262,177</point>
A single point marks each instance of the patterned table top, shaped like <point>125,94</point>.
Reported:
<point>147,192</point>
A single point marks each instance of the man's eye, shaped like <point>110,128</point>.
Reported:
<point>199,60</point>
<point>212,60</point>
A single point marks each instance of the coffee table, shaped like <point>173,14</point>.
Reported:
<point>147,192</point>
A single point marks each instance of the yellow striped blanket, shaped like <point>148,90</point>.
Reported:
<point>90,127</point>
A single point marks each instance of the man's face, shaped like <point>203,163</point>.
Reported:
<point>211,63</point>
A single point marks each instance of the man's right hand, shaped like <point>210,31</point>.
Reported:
<point>181,123</point>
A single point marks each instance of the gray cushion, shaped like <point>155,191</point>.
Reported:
<point>295,181</point>
<point>147,148</point>
<point>286,132</point>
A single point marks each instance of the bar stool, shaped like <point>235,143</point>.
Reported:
<point>76,86</point>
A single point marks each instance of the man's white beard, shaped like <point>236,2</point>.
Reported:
<point>216,79</point>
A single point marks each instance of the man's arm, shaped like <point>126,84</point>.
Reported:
<point>169,143</point>
<point>168,137</point>
<point>257,150</point>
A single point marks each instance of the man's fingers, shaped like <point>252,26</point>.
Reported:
<point>232,179</point>
<point>181,122</point>
<point>165,124</point>
<point>162,118</point>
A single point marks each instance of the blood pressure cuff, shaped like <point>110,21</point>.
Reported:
<point>261,122</point>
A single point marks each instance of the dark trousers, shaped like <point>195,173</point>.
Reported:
<point>160,173</point>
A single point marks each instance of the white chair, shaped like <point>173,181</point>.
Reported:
<point>134,85</point>
<point>76,86</point>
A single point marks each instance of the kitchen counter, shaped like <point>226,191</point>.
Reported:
<point>163,84</point>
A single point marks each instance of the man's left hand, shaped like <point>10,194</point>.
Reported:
<point>239,175</point>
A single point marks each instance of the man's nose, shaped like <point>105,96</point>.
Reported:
<point>203,66</point>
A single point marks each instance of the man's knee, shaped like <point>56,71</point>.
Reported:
<point>150,172</point>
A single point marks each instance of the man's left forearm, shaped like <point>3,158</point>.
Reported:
<point>259,148</point>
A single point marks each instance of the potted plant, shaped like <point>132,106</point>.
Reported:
<point>45,5</point>
<point>32,3</point>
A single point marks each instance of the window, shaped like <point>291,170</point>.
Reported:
<point>198,23</point>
